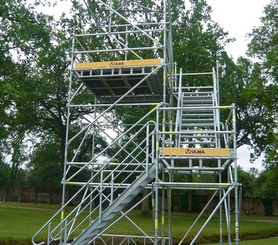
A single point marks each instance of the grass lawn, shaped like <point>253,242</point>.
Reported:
<point>267,241</point>
<point>19,222</point>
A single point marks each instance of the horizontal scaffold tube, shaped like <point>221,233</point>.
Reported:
<point>196,107</point>
<point>196,185</point>
<point>185,132</point>
<point>116,50</point>
<point>107,105</point>
<point>119,32</point>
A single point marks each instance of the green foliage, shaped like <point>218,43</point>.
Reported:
<point>264,41</point>
<point>35,57</point>
<point>23,33</point>
<point>197,40</point>
<point>263,47</point>
<point>271,158</point>
<point>4,172</point>
<point>267,183</point>
<point>45,170</point>
<point>255,107</point>
<point>248,182</point>
<point>264,186</point>
<point>267,188</point>
<point>34,79</point>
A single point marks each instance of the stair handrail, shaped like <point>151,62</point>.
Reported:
<point>178,114</point>
<point>216,103</point>
<point>106,197</point>
<point>61,210</point>
<point>116,140</point>
<point>71,212</point>
<point>107,177</point>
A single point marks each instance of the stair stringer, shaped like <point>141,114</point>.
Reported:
<point>118,205</point>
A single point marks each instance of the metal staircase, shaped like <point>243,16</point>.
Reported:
<point>114,183</point>
<point>200,146</point>
<point>114,208</point>
<point>197,115</point>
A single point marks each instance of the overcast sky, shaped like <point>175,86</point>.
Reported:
<point>238,17</point>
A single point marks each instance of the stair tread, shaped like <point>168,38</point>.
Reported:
<point>197,120</point>
<point>197,92</point>
<point>197,124</point>
<point>194,100</point>
<point>199,136</point>
<point>197,108</point>
<point>196,105</point>
<point>197,115</point>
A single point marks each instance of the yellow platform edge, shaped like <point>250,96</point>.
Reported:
<point>203,152</point>
<point>118,63</point>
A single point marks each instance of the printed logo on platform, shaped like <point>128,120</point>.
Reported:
<point>117,63</point>
<point>194,151</point>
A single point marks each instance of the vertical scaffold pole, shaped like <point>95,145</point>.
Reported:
<point>235,180</point>
<point>63,201</point>
<point>156,180</point>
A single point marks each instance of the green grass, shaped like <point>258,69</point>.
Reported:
<point>20,221</point>
<point>268,241</point>
<point>19,224</point>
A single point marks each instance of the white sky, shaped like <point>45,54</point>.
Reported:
<point>238,17</point>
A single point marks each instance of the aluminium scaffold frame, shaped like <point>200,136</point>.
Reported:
<point>178,135</point>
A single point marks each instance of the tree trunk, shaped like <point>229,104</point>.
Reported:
<point>62,147</point>
<point>268,206</point>
<point>145,203</point>
<point>190,196</point>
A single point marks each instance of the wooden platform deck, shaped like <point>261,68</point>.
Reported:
<point>139,80</point>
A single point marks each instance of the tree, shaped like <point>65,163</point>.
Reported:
<point>263,44</point>
<point>248,183</point>
<point>35,56</point>
<point>271,158</point>
<point>198,41</point>
<point>263,47</point>
<point>4,173</point>
<point>44,167</point>
<point>255,107</point>
<point>22,32</point>
<point>35,95</point>
<point>267,188</point>
<point>253,87</point>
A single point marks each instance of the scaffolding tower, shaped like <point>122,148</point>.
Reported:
<point>162,135</point>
